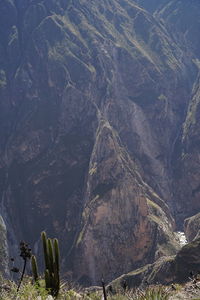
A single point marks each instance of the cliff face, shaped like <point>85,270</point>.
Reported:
<point>166,270</point>
<point>191,227</point>
<point>3,248</point>
<point>93,99</point>
<point>186,154</point>
<point>188,162</point>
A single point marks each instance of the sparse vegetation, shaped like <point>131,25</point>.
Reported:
<point>35,287</point>
<point>28,290</point>
<point>68,291</point>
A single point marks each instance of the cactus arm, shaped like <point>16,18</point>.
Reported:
<point>52,268</point>
<point>57,253</point>
<point>45,249</point>
<point>34,268</point>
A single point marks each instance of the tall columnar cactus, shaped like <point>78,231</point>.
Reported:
<point>34,268</point>
<point>45,249</point>
<point>57,252</point>
<point>51,256</point>
<point>52,268</point>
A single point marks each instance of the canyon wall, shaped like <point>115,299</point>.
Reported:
<point>99,129</point>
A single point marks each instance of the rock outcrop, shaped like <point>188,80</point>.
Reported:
<point>166,270</point>
<point>4,258</point>
<point>192,227</point>
<point>93,99</point>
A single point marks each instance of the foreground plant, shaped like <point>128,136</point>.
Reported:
<point>52,267</point>
<point>27,291</point>
<point>34,269</point>
<point>25,253</point>
<point>154,293</point>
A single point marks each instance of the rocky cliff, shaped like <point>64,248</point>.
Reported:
<point>167,270</point>
<point>97,101</point>
<point>3,249</point>
<point>192,227</point>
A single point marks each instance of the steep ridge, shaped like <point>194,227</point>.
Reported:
<point>187,175</point>
<point>181,19</point>
<point>93,98</point>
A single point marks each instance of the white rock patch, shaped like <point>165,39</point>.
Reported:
<point>181,238</point>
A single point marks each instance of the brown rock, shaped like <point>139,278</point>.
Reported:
<point>192,227</point>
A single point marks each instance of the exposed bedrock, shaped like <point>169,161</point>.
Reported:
<point>96,130</point>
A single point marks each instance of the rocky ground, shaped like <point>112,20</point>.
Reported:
<point>191,290</point>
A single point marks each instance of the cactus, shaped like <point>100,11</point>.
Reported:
<point>57,253</point>
<point>45,249</point>
<point>47,279</point>
<point>51,259</point>
<point>34,268</point>
<point>51,256</point>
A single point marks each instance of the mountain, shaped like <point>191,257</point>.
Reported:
<point>99,105</point>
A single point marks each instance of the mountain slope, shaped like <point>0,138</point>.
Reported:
<point>93,99</point>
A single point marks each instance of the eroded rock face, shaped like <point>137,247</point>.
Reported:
<point>192,227</point>
<point>3,248</point>
<point>187,166</point>
<point>92,101</point>
<point>166,270</point>
<point>119,223</point>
